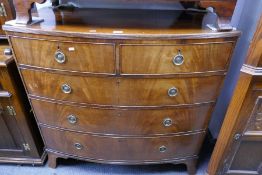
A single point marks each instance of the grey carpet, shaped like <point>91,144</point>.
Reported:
<point>74,167</point>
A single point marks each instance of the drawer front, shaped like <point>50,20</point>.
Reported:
<point>122,122</point>
<point>71,88</point>
<point>157,92</point>
<point>122,91</point>
<point>124,149</point>
<point>84,57</point>
<point>166,59</point>
<point>130,92</point>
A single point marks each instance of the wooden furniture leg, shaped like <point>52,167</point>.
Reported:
<point>191,166</point>
<point>52,160</point>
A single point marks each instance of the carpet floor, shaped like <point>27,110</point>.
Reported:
<point>74,167</point>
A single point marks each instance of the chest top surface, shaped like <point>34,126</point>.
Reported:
<point>124,23</point>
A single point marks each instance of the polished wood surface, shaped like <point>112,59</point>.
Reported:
<point>122,91</point>
<point>129,150</point>
<point>84,89</point>
<point>84,57</point>
<point>154,92</point>
<point>123,24</point>
<point>127,98</point>
<point>158,59</point>
<point>123,121</point>
<point>20,140</point>
<point>224,8</point>
<point>234,148</point>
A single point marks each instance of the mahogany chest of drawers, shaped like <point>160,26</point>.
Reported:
<point>129,96</point>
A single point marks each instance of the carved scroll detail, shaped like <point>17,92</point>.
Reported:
<point>224,11</point>
<point>23,10</point>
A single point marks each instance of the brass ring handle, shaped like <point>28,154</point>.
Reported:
<point>167,122</point>
<point>78,146</point>
<point>162,149</point>
<point>172,92</point>
<point>66,89</point>
<point>60,57</point>
<point>72,119</point>
<point>178,59</point>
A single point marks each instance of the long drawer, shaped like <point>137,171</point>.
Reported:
<point>122,91</point>
<point>123,149</point>
<point>72,56</point>
<point>122,122</point>
<point>168,59</point>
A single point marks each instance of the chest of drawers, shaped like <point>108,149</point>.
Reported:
<point>143,96</point>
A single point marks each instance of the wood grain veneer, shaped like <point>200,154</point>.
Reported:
<point>84,57</point>
<point>122,91</point>
<point>129,150</point>
<point>120,105</point>
<point>108,121</point>
<point>157,59</point>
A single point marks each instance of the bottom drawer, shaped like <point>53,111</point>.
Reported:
<point>130,150</point>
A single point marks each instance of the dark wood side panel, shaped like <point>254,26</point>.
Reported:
<point>248,157</point>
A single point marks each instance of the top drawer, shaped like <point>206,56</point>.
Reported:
<point>72,56</point>
<point>169,59</point>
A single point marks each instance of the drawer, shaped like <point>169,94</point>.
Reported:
<point>157,92</point>
<point>71,88</point>
<point>123,122</point>
<point>122,149</point>
<point>84,57</point>
<point>166,59</point>
<point>122,91</point>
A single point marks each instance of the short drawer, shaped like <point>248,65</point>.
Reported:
<point>122,122</point>
<point>171,59</point>
<point>123,149</point>
<point>122,91</point>
<point>71,56</point>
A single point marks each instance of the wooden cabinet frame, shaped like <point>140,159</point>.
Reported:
<point>235,122</point>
